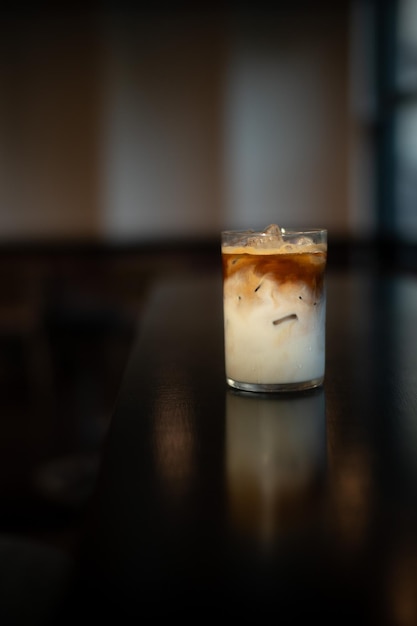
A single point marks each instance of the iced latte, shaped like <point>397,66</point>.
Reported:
<point>274,308</point>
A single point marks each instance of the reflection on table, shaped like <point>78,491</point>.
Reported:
<point>276,456</point>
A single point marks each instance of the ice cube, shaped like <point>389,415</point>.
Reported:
<point>242,238</point>
<point>271,237</point>
<point>257,241</point>
<point>303,241</point>
<point>273,230</point>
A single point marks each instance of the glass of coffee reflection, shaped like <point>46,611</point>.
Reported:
<point>275,460</point>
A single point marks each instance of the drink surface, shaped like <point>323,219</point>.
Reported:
<point>281,267</point>
<point>274,311</point>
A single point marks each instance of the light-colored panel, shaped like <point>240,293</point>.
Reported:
<point>286,124</point>
<point>160,165</point>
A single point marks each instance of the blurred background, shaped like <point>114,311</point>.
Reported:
<point>128,140</point>
<point>121,125</point>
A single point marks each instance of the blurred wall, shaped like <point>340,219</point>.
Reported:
<point>49,86</point>
<point>162,129</point>
<point>132,125</point>
<point>287,121</point>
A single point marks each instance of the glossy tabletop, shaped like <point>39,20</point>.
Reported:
<point>212,502</point>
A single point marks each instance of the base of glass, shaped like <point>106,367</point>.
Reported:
<point>276,387</point>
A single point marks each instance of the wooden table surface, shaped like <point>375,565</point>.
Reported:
<point>212,503</point>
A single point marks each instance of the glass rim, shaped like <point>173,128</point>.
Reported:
<point>284,231</point>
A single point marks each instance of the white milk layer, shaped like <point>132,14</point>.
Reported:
<point>277,336</point>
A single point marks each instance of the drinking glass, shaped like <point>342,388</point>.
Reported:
<point>274,302</point>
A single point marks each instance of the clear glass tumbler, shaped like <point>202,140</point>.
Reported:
<point>274,302</point>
